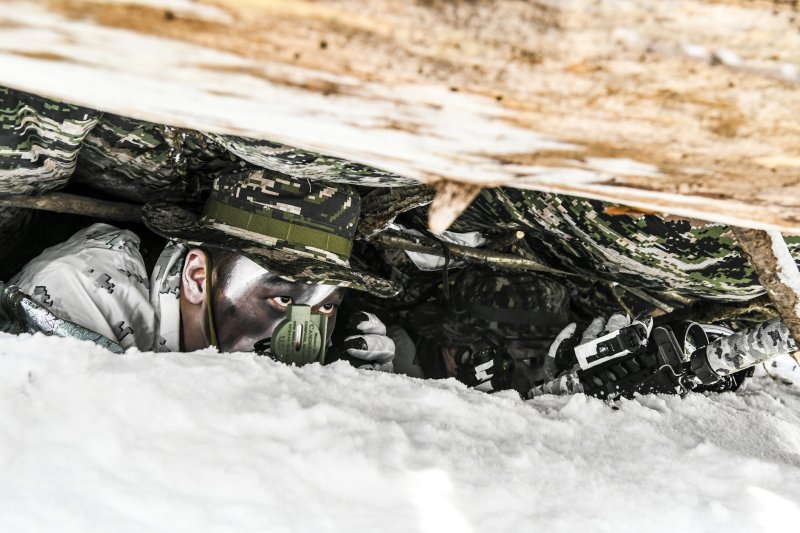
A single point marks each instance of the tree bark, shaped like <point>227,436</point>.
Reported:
<point>768,255</point>
<point>59,202</point>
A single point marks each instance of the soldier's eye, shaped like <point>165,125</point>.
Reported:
<point>282,301</point>
<point>327,309</point>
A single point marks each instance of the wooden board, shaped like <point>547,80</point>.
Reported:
<point>684,107</point>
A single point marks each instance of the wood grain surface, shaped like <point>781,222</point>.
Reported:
<point>683,107</point>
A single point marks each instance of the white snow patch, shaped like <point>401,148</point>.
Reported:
<point>559,175</point>
<point>728,57</point>
<point>787,268</point>
<point>407,129</point>
<point>90,441</point>
<point>697,51</point>
<point>623,166</point>
<point>627,36</point>
<point>790,71</point>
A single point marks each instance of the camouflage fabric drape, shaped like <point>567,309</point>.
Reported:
<point>648,251</point>
<point>39,141</point>
<point>43,143</point>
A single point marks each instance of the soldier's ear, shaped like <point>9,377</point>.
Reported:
<point>193,278</point>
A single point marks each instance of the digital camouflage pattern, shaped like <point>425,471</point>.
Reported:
<point>303,164</point>
<point>298,229</point>
<point>331,209</point>
<point>647,251</point>
<point>19,313</point>
<point>566,384</point>
<point>39,141</point>
<point>43,142</point>
<point>750,347</point>
<point>141,161</point>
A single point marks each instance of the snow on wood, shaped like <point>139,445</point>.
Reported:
<point>686,107</point>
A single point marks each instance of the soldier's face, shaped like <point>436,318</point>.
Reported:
<point>251,301</point>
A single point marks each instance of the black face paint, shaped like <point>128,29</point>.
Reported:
<point>252,302</point>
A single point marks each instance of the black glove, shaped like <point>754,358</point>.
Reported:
<point>561,355</point>
<point>485,367</point>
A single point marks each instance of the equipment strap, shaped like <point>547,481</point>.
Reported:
<point>209,301</point>
<point>265,224</point>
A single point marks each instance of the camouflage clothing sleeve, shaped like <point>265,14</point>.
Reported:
<point>97,280</point>
<point>39,141</point>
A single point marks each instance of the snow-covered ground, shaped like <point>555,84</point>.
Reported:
<point>90,441</point>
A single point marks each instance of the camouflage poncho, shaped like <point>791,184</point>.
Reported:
<point>649,251</point>
<point>45,144</point>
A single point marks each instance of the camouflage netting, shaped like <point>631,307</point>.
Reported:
<point>47,145</point>
<point>39,141</point>
<point>650,251</point>
<point>44,143</point>
<point>142,162</point>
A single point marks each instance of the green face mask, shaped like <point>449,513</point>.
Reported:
<point>300,338</point>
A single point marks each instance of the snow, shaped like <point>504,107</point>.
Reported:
<point>90,441</point>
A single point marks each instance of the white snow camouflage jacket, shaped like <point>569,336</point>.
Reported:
<point>97,279</point>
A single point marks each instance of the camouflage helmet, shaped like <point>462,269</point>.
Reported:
<point>514,306</point>
<point>298,229</point>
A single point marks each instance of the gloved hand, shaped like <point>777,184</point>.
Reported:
<point>620,365</point>
<point>561,357</point>
<point>367,345</point>
<point>484,367</point>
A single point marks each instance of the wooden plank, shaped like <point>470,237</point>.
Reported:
<point>638,102</point>
<point>777,272</point>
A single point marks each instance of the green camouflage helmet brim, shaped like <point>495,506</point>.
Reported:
<point>174,222</point>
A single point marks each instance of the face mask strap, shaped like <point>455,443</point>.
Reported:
<point>209,301</point>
